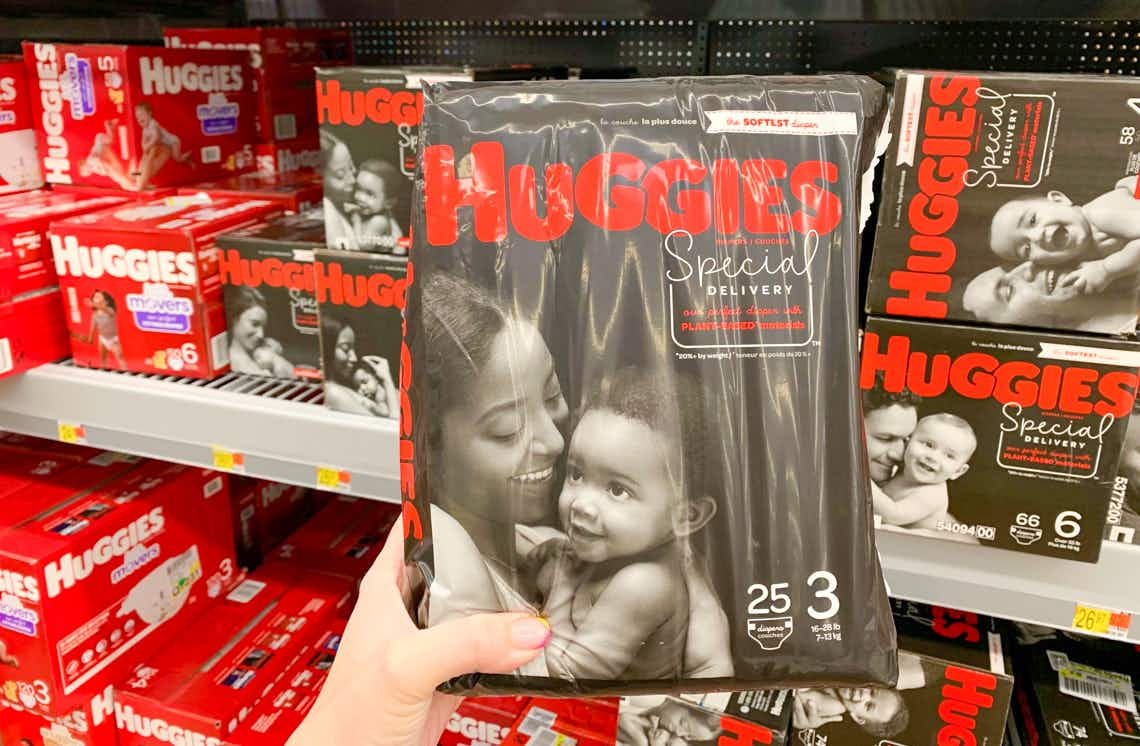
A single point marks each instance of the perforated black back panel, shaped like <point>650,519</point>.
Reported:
<point>654,47</point>
<point>762,47</point>
<point>804,46</point>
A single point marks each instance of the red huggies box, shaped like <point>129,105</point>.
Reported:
<point>274,158</point>
<point>141,287</point>
<point>281,509</point>
<point>98,579</point>
<point>29,445</point>
<point>135,117</point>
<point>19,161</point>
<point>106,191</point>
<point>244,520</point>
<point>343,539</point>
<point>31,479</point>
<point>20,727</point>
<point>25,255</point>
<point>295,192</point>
<point>588,722</point>
<point>199,691</point>
<point>482,721</point>
<point>283,61</point>
<point>281,712</point>
<point>264,513</point>
<point>32,331</point>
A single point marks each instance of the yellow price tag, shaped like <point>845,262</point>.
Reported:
<point>329,478</point>
<point>225,460</point>
<point>69,433</point>
<point>1097,620</point>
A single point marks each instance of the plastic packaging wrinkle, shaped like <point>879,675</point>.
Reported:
<point>628,385</point>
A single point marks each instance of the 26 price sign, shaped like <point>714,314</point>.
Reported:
<point>1098,620</point>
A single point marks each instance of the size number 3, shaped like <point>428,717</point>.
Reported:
<point>774,598</point>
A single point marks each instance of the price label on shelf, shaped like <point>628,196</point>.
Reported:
<point>331,478</point>
<point>1097,620</point>
<point>227,460</point>
<point>71,433</point>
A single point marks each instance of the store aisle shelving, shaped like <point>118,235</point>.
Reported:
<point>282,432</point>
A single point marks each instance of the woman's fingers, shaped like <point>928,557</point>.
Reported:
<point>485,643</point>
<point>383,597</point>
<point>633,730</point>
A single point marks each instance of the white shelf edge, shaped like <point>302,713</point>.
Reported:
<point>1010,585</point>
<point>280,440</point>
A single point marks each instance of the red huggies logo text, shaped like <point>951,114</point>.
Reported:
<point>735,732</point>
<point>254,49</point>
<point>158,729</point>
<point>956,625</point>
<point>289,160</point>
<point>56,166</point>
<point>477,731</point>
<point>139,265</point>
<point>413,523</point>
<point>335,286</point>
<point>159,78</point>
<point>23,587</point>
<point>272,492</point>
<point>102,705</point>
<point>64,573</point>
<point>272,272</point>
<point>980,375</point>
<point>377,105</point>
<point>968,693</point>
<point>619,192</point>
<point>948,137</point>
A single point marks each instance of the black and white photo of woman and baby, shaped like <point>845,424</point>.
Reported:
<point>624,595</point>
<point>362,200</point>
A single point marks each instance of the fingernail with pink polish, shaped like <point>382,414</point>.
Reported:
<point>530,633</point>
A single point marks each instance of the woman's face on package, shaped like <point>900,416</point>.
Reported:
<point>502,442</point>
<point>339,174</point>
<point>344,354</point>
<point>250,328</point>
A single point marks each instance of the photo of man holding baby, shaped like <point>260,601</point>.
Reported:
<point>912,458</point>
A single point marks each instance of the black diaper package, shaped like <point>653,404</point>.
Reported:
<point>629,395</point>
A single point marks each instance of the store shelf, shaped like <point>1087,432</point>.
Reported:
<point>1021,587</point>
<point>280,428</point>
<point>286,434</point>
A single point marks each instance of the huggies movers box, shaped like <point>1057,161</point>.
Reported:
<point>136,117</point>
<point>91,582</point>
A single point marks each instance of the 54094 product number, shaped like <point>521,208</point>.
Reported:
<point>986,533</point>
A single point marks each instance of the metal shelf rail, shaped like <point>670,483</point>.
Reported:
<point>280,429</point>
<point>285,434</point>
